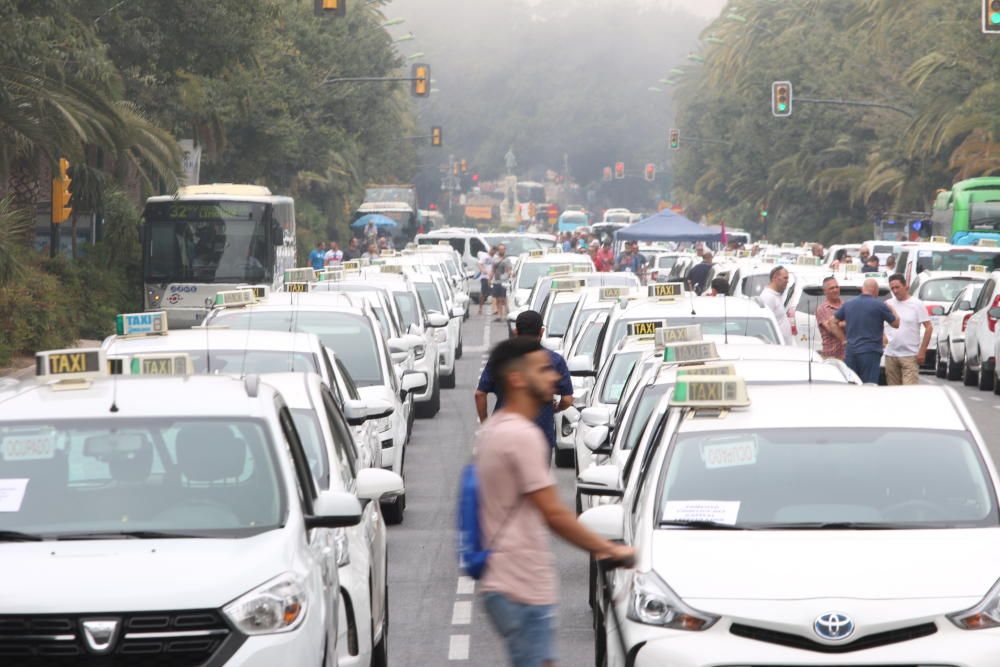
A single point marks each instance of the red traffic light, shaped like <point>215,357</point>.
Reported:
<point>433,206</point>
<point>650,172</point>
<point>619,170</point>
<point>607,173</point>
<point>475,178</point>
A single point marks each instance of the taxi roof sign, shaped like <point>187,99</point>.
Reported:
<point>690,333</point>
<point>979,268</point>
<point>807,260</point>
<point>537,252</point>
<point>850,267</point>
<point>787,245</point>
<point>567,284</point>
<point>556,269</point>
<point>260,292</point>
<point>392,268</point>
<point>707,369</point>
<point>644,328</point>
<point>306,275</point>
<point>354,266</point>
<point>988,243</point>
<point>234,298</point>
<point>710,391</point>
<point>695,352</point>
<point>612,293</point>
<point>937,239</point>
<point>330,275</point>
<point>175,363</point>
<point>71,364</point>
<point>297,287</point>
<point>666,290</point>
<point>141,324</point>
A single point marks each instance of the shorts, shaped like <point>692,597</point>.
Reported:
<point>528,630</point>
<point>499,291</point>
<point>484,286</point>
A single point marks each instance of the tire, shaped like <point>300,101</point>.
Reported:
<point>380,651</point>
<point>954,369</point>
<point>940,369</point>
<point>448,381</point>
<point>459,351</point>
<point>970,378</point>
<point>996,382</point>
<point>392,512</point>
<point>600,639</point>
<point>565,458</point>
<point>433,406</point>
<point>986,382</point>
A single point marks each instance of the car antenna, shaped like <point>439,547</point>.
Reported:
<point>246,346</point>
<point>809,338</point>
<point>208,353</point>
<point>114,391</point>
<point>725,319</point>
<point>693,313</point>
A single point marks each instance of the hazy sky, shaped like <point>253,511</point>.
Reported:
<point>706,8</point>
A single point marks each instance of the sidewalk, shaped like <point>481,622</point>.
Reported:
<point>24,367</point>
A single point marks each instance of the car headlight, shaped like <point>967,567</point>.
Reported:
<point>419,351</point>
<point>654,603</point>
<point>984,615</point>
<point>278,605</point>
<point>343,547</point>
<point>441,335</point>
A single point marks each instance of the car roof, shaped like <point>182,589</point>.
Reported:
<point>825,406</point>
<point>772,371</point>
<point>295,388</point>
<point>208,338</point>
<point>703,306</point>
<point>337,302</point>
<point>557,258</point>
<point>137,396</point>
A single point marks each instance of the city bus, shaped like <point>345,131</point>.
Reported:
<point>210,238</point>
<point>968,212</point>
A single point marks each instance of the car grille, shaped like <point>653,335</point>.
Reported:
<point>867,642</point>
<point>199,638</point>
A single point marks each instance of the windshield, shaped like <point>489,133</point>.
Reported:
<point>943,289</point>
<point>429,297</point>
<point>351,337</point>
<point>311,435</point>
<point>667,261</point>
<point>559,316</point>
<point>956,260</point>
<point>532,271</point>
<point>813,296</point>
<point>207,242</point>
<point>614,382</point>
<point>515,244</point>
<point>203,477</point>
<point>750,327</point>
<point>782,476</point>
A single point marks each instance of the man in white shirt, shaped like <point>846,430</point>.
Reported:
<point>773,299</point>
<point>906,350</point>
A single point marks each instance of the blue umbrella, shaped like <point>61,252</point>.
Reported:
<point>381,221</point>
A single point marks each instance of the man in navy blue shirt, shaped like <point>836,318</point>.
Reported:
<point>529,323</point>
<point>864,319</point>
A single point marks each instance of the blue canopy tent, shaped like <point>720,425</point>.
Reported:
<point>381,222</point>
<point>668,226</point>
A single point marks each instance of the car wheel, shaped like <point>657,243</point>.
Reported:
<point>996,381</point>
<point>565,458</point>
<point>392,511</point>
<point>448,381</point>
<point>459,351</point>
<point>970,378</point>
<point>940,369</point>
<point>986,378</point>
<point>431,407</point>
<point>954,371</point>
<point>380,651</point>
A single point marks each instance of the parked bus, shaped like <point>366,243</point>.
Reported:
<point>969,211</point>
<point>210,238</point>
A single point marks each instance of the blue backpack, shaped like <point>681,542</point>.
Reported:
<point>472,556</point>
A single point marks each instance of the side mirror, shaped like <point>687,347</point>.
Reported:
<point>457,312</point>
<point>608,521</point>
<point>399,357</point>
<point>935,311</point>
<point>437,320</point>
<point>600,481</point>
<point>277,234</point>
<point>596,439</point>
<point>413,340</point>
<point>358,412</point>
<point>994,313</point>
<point>413,381</point>
<point>334,509</point>
<point>399,345</point>
<point>571,414</point>
<point>964,305</point>
<point>581,366</point>
<point>596,416</point>
<point>376,484</point>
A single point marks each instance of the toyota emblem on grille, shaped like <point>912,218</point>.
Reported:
<point>99,634</point>
<point>834,626</point>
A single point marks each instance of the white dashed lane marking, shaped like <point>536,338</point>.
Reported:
<point>462,614</point>
<point>458,647</point>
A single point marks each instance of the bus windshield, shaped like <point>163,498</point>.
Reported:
<point>985,217</point>
<point>207,242</point>
<point>956,259</point>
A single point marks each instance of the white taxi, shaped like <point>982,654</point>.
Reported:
<point>767,482</point>
<point>980,335</point>
<point>937,290</point>
<point>537,264</point>
<point>126,502</point>
<point>950,336</point>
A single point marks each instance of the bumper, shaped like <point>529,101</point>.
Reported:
<point>301,647</point>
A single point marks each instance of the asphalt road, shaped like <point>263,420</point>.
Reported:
<point>434,618</point>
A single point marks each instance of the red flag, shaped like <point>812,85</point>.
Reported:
<point>724,238</point>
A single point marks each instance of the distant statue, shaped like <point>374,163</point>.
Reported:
<point>511,161</point>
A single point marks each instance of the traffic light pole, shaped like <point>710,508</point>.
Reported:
<point>695,140</point>
<point>372,79</point>
<point>853,103</point>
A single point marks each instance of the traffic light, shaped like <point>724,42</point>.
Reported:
<point>651,172</point>
<point>781,98</point>
<point>465,166</point>
<point>61,210</point>
<point>454,169</point>
<point>607,173</point>
<point>421,75</point>
<point>475,178</point>
<point>675,139</point>
<point>619,170</point>
<point>331,7</point>
<point>991,17</point>
<point>437,137</point>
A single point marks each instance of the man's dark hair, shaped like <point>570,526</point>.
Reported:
<point>528,323</point>
<point>775,271</point>
<point>899,277</point>
<point>720,285</point>
<point>505,355</point>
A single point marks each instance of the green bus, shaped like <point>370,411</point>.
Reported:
<point>968,212</point>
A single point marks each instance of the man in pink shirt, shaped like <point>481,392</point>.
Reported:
<point>519,504</point>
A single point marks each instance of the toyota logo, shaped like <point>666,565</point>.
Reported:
<point>834,627</point>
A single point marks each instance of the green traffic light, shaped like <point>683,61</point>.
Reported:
<point>782,107</point>
<point>995,18</point>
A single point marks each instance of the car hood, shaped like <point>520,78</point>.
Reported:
<point>790,565</point>
<point>138,574</point>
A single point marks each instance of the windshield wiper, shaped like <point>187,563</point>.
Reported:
<point>16,536</point>
<point>703,525</point>
<point>126,535</point>
<point>839,525</point>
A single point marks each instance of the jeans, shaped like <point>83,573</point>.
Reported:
<point>528,630</point>
<point>865,364</point>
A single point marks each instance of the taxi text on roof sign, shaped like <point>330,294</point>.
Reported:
<point>567,285</point>
<point>538,252</point>
<point>296,287</point>
<point>978,268</point>
<point>687,353</point>
<point>938,239</point>
<point>556,269</point>
<point>710,391</point>
<point>352,266</point>
<point>687,334</point>
<point>141,324</point>
<point>307,275</point>
<point>70,364</point>
<point>260,292</point>
<point>234,298</point>
<point>644,329</point>
<point>612,293</point>
<point>393,268</point>
<point>160,364</point>
<point>988,243</point>
<point>666,290</point>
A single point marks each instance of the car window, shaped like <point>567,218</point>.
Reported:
<point>618,374</point>
<point>307,425</point>
<point>476,246</point>
<point>343,441</point>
